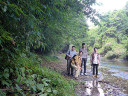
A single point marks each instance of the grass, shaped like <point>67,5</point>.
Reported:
<point>61,84</point>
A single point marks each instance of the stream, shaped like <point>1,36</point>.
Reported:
<point>105,84</point>
<point>119,68</point>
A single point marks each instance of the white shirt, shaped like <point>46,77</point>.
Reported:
<point>71,53</point>
<point>95,61</point>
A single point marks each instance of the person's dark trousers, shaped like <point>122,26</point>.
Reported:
<point>84,60</point>
<point>95,68</point>
<point>69,67</point>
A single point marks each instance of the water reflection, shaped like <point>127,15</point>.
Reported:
<point>93,88</point>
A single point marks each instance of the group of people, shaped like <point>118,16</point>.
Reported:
<point>75,62</point>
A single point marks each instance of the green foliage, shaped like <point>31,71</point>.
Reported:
<point>39,26</point>
<point>29,78</point>
<point>43,25</point>
<point>111,36</point>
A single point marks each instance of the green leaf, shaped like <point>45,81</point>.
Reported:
<point>5,83</point>
<point>11,70</point>
<point>18,88</point>
<point>6,75</point>
<point>33,87</point>
<point>45,79</point>
<point>0,41</point>
<point>2,93</point>
<point>34,75</point>
<point>49,90</point>
<point>18,79</point>
<point>23,94</point>
<point>40,86</point>
<point>55,92</point>
<point>45,84</point>
<point>45,94</point>
<point>42,90</point>
<point>5,8</point>
<point>6,70</point>
<point>23,71</point>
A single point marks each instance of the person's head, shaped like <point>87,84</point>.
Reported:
<point>95,49</point>
<point>83,45</point>
<point>80,53</point>
<point>73,48</point>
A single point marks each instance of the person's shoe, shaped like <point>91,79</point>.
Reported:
<point>93,76</point>
<point>81,74</point>
<point>85,74</point>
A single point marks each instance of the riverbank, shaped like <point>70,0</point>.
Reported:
<point>114,85</point>
<point>105,85</point>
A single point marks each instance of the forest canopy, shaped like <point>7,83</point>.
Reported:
<point>111,37</point>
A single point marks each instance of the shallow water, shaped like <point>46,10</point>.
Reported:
<point>99,86</point>
<point>120,65</point>
<point>94,88</point>
<point>119,68</point>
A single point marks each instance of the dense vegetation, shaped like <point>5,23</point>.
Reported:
<point>111,37</point>
<point>29,78</point>
<point>28,27</point>
<point>32,27</point>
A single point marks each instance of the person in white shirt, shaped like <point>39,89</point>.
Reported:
<point>70,53</point>
<point>95,61</point>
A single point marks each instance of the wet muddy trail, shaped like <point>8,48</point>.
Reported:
<point>106,84</point>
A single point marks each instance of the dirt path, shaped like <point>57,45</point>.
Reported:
<point>87,85</point>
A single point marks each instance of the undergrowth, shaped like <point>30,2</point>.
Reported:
<point>28,78</point>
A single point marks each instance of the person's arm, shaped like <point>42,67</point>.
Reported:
<point>77,66</point>
<point>80,49</point>
<point>91,59</point>
<point>80,63</point>
<point>99,59</point>
<point>75,58</point>
<point>86,53</point>
<point>68,53</point>
<point>75,53</point>
<point>77,61</point>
